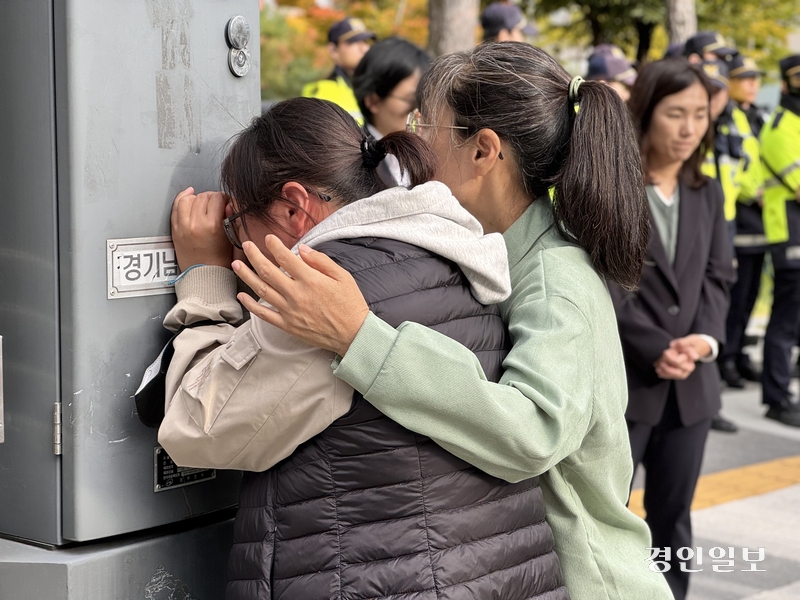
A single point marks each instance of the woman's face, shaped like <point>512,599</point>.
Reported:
<point>389,114</point>
<point>454,167</point>
<point>678,125</point>
<point>745,89</point>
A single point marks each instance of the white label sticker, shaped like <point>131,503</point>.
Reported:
<point>140,266</point>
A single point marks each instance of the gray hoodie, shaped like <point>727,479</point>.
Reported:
<point>430,217</point>
<point>244,395</point>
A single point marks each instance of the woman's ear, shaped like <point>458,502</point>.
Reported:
<point>372,102</point>
<point>488,150</point>
<point>293,212</point>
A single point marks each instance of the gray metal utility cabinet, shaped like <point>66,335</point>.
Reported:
<point>108,108</point>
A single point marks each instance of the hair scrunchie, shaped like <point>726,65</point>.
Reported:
<point>574,87</point>
<point>372,152</point>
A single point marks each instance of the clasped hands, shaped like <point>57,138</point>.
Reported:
<point>678,361</point>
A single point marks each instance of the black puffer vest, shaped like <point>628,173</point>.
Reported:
<point>368,509</point>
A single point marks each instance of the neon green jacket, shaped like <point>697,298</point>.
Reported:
<point>737,170</point>
<point>752,180</point>
<point>780,148</point>
<point>336,89</point>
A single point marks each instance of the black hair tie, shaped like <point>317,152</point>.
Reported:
<point>372,152</point>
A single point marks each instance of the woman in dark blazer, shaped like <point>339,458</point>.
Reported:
<point>671,327</point>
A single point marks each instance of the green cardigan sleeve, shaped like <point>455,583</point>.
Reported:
<point>537,414</point>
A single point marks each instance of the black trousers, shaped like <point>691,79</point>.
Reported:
<point>671,455</point>
<point>781,336</point>
<point>743,297</point>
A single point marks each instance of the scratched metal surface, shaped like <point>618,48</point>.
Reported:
<point>151,102</point>
<point>112,108</point>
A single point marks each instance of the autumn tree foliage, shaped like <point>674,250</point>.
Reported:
<point>294,37</point>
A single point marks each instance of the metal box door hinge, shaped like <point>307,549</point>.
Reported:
<point>2,430</point>
<point>57,428</point>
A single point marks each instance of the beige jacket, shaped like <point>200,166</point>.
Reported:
<point>243,394</point>
<point>234,388</point>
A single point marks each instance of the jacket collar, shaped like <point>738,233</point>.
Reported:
<point>339,72</point>
<point>688,228</point>
<point>791,103</point>
<point>659,254</point>
<point>726,116</point>
<point>528,229</point>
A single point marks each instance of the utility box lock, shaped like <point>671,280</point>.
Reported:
<point>237,35</point>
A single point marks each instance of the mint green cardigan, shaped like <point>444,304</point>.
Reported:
<point>557,412</point>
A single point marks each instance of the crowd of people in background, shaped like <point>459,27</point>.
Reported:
<point>618,342</point>
<point>734,161</point>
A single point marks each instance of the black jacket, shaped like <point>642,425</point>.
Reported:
<point>368,509</point>
<point>690,296</point>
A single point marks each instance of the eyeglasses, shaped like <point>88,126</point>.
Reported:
<point>414,123</point>
<point>412,102</point>
<point>230,230</point>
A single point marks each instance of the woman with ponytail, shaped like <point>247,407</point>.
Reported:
<point>510,127</point>
<point>338,501</point>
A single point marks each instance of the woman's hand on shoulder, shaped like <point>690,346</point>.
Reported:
<point>314,299</point>
<point>197,231</point>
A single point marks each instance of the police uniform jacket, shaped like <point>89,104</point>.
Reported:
<point>728,162</point>
<point>780,147</point>
<point>675,300</point>
<point>750,238</point>
<point>337,89</point>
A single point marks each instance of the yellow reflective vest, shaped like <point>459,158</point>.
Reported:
<point>729,161</point>
<point>780,152</point>
<point>337,90</point>
<point>752,180</point>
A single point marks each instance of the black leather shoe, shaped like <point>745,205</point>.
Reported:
<point>730,375</point>
<point>719,423</point>
<point>788,414</point>
<point>747,371</point>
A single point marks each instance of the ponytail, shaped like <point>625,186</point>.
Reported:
<point>415,156</point>
<point>600,200</point>
<point>589,158</point>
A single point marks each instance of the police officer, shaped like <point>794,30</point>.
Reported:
<point>348,42</point>
<point>745,81</point>
<point>608,64</point>
<point>504,22</point>
<point>707,46</point>
<point>749,240</point>
<point>780,147</point>
<point>727,162</point>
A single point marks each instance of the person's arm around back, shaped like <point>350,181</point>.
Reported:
<point>518,428</point>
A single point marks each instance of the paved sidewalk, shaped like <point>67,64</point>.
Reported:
<point>748,496</point>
